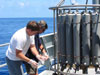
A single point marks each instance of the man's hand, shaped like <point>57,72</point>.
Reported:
<point>42,57</point>
<point>33,63</point>
<point>39,57</point>
<point>46,56</point>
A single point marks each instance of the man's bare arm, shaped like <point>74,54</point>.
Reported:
<point>20,55</point>
<point>34,50</point>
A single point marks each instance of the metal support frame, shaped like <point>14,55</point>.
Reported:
<point>75,6</point>
<point>55,16</point>
<point>54,38</point>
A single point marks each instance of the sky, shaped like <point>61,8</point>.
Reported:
<point>30,8</point>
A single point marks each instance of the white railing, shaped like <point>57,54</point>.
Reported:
<point>3,65</point>
<point>2,45</point>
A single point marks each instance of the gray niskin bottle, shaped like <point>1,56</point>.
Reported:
<point>85,38</point>
<point>69,38</point>
<point>95,38</point>
<point>61,38</point>
<point>76,37</point>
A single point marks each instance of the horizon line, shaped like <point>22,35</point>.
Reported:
<point>26,17</point>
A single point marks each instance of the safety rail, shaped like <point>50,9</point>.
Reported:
<point>3,65</point>
<point>2,45</point>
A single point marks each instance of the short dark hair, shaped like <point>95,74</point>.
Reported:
<point>43,24</point>
<point>33,25</point>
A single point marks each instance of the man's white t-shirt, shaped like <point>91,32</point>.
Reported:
<point>21,41</point>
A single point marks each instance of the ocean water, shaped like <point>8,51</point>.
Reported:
<point>8,26</point>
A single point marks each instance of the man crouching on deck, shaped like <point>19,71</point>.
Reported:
<point>18,47</point>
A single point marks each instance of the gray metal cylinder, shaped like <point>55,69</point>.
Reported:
<point>69,37</point>
<point>95,38</point>
<point>96,2</point>
<point>59,34</point>
<point>85,38</point>
<point>62,38</point>
<point>76,37</point>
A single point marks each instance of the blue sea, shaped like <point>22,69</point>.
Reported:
<point>8,26</point>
